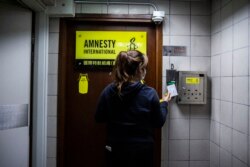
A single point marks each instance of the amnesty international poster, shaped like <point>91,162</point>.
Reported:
<point>100,48</point>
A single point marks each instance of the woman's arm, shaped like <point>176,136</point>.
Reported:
<point>101,110</point>
<point>159,110</point>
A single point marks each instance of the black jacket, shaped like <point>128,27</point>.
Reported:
<point>132,115</point>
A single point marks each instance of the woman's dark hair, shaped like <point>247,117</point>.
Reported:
<point>128,65</point>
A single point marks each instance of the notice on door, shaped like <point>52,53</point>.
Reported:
<point>100,48</point>
<point>83,84</point>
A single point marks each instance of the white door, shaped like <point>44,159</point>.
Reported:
<point>15,77</point>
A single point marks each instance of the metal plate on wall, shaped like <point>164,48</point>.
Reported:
<point>192,87</point>
<point>174,50</point>
<point>13,116</point>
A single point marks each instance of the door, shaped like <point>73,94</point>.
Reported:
<point>81,141</point>
<point>15,78</point>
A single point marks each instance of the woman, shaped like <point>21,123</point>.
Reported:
<point>131,110</point>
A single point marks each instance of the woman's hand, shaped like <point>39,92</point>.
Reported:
<point>166,97</point>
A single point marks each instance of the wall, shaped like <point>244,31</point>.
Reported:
<point>185,136</point>
<point>230,84</point>
<point>52,91</point>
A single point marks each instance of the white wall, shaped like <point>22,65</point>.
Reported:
<point>15,70</point>
<point>185,136</point>
<point>230,83</point>
<point>52,91</point>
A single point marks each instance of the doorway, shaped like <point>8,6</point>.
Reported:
<point>81,141</point>
<point>15,87</point>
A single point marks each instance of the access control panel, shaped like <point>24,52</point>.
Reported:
<point>192,87</point>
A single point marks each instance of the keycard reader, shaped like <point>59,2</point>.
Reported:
<point>192,87</point>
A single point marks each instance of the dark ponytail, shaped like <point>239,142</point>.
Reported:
<point>128,65</point>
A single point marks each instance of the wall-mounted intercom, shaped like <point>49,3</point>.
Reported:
<point>191,86</point>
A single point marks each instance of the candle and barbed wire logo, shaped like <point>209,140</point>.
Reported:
<point>132,45</point>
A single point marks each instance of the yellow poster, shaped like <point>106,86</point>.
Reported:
<point>192,80</point>
<point>102,47</point>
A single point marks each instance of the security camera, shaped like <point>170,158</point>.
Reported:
<point>158,16</point>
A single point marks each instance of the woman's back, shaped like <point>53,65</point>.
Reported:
<point>132,114</point>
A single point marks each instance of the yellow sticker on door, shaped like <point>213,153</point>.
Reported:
<point>83,84</point>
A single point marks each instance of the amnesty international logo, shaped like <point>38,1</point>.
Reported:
<point>100,48</point>
<point>132,45</point>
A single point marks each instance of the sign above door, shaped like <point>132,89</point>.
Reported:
<point>98,49</point>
